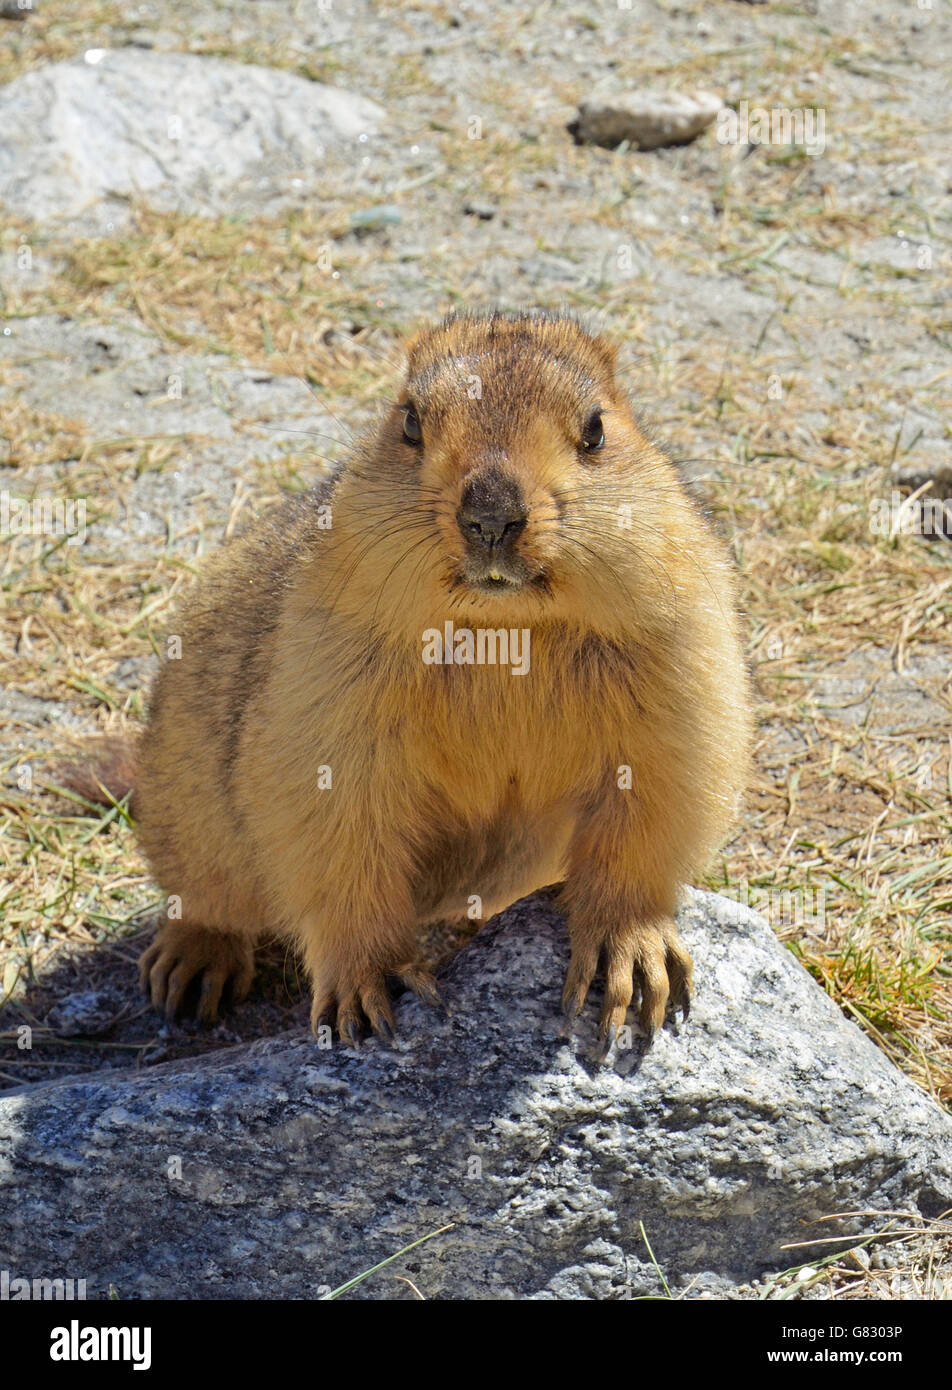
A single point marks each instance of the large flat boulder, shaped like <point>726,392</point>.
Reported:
<point>277,1169</point>
<point>173,129</point>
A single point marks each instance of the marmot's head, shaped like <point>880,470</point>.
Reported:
<point>514,452</point>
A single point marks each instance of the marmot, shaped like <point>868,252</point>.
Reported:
<point>498,650</point>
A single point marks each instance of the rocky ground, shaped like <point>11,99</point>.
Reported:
<point>192,326</point>
<point>750,1154</point>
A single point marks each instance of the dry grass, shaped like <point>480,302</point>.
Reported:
<point>56,32</point>
<point>899,1255</point>
<point>266,293</point>
<point>862,812</point>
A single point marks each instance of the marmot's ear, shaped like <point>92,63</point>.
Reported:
<point>609,354</point>
<point>411,344</point>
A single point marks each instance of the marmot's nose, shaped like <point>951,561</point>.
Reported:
<point>492,513</point>
<point>489,529</point>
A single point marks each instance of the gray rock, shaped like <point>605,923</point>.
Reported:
<point>277,1169</point>
<point>83,1015</point>
<point>646,119</point>
<point>175,129</point>
<point>20,708</point>
<point>375,219</point>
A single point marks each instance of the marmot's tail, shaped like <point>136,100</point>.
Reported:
<point>106,772</point>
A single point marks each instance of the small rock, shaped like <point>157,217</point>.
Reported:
<point>484,211</point>
<point>375,219</point>
<point>646,119</point>
<point>910,477</point>
<point>82,1015</point>
<point>883,1259</point>
<point>162,39</point>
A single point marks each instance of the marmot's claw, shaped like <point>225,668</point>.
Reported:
<point>572,1006</point>
<point>578,982</point>
<point>322,1013</point>
<point>680,974</point>
<point>181,953</point>
<point>651,955</point>
<point>353,1011</point>
<point>422,983</point>
<point>683,1002</point>
<point>609,1035</point>
<point>383,1027</point>
<point>350,1030</point>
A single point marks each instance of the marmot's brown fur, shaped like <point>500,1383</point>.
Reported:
<point>304,769</point>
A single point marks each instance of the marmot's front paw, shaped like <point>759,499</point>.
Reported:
<point>180,953</point>
<point>653,954</point>
<point>358,1003</point>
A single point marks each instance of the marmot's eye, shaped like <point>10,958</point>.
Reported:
<point>593,435</point>
<point>412,433</point>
